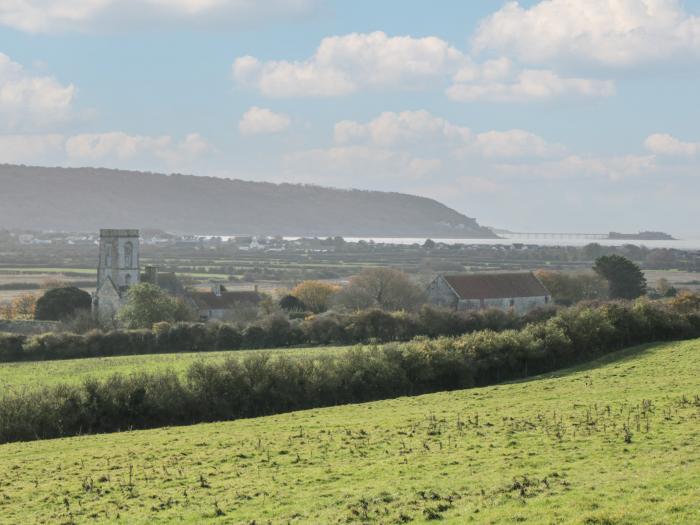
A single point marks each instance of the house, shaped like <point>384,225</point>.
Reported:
<point>520,291</point>
<point>220,304</point>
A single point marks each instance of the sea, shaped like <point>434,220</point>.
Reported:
<point>689,244</point>
<point>678,244</point>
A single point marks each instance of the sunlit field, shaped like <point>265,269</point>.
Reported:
<point>615,441</point>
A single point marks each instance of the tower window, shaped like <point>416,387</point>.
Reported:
<point>108,256</point>
<point>128,255</point>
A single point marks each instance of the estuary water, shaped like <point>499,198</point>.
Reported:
<point>679,244</point>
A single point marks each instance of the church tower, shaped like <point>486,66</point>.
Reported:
<point>118,269</point>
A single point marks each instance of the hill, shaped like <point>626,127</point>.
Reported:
<point>613,441</point>
<point>86,199</point>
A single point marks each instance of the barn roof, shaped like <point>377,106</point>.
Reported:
<point>496,285</point>
<point>226,300</point>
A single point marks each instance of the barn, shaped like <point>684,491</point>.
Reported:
<point>520,292</point>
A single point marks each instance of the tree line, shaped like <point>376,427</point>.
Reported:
<point>271,331</point>
<point>262,384</point>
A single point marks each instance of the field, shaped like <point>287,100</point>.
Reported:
<point>20,375</point>
<point>612,442</point>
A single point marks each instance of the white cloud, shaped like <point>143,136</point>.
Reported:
<point>112,149</point>
<point>505,85</point>
<point>609,32</point>
<point>121,146</point>
<point>346,165</point>
<point>577,167</point>
<point>668,145</point>
<point>514,143</point>
<point>28,100</point>
<point>51,16</point>
<point>257,121</point>
<point>418,130</point>
<point>344,64</point>
<point>390,129</point>
<point>17,149</point>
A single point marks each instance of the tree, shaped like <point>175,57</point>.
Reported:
<point>62,303</point>
<point>316,295</point>
<point>571,288</point>
<point>147,304</point>
<point>23,306</point>
<point>291,303</point>
<point>686,302</point>
<point>625,279</point>
<point>384,288</point>
<point>665,288</point>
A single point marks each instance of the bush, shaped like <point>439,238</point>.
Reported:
<point>263,384</point>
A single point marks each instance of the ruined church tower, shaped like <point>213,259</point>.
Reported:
<point>118,269</point>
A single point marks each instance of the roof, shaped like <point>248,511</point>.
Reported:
<point>118,233</point>
<point>226,300</point>
<point>496,285</point>
<point>169,282</point>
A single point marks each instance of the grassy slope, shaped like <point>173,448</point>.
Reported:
<point>21,375</point>
<point>549,450</point>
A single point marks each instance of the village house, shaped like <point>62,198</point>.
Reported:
<point>520,292</point>
<point>220,303</point>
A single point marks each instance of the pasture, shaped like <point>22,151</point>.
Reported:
<point>615,441</point>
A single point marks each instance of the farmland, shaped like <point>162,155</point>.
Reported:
<point>21,375</point>
<point>614,441</point>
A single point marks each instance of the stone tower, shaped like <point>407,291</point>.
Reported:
<point>117,270</point>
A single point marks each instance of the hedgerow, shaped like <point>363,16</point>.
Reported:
<point>273,331</point>
<point>262,384</point>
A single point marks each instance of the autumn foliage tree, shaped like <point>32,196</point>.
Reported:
<point>23,306</point>
<point>315,295</point>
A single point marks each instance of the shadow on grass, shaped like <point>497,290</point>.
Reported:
<point>619,357</point>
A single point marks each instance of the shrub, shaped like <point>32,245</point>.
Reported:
<point>264,384</point>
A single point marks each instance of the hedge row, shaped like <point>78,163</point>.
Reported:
<point>271,332</point>
<point>262,384</point>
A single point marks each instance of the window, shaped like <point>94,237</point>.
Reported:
<point>512,302</point>
<point>128,255</point>
<point>108,256</point>
<point>127,279</point>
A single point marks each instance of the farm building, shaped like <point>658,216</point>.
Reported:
<point>219,303</point>
<point>520,292</point>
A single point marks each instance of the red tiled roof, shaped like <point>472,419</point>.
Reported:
<point>226,300</point>
<point>496,285</point>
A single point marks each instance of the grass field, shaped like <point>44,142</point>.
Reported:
<point>17,376</point>
<point>613,442</point>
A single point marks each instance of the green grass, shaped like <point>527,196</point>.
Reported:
<point>552,449</point>
<point>18,376</point>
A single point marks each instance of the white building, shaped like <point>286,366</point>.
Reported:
<point>519,292</point>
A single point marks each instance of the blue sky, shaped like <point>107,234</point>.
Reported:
<point>557,115</point>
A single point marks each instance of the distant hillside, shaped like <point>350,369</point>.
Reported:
<point>86,199</point>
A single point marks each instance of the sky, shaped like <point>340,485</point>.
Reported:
<point>553,115</point>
